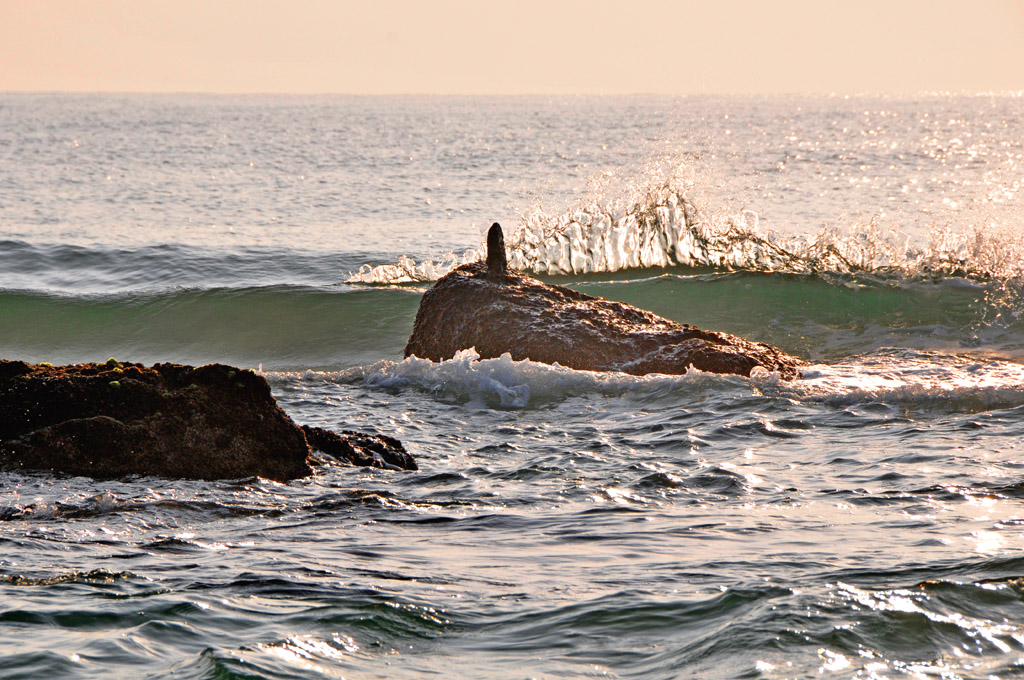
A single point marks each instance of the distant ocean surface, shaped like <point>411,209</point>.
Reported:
<point>865,521</point>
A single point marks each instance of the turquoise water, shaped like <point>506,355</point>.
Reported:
<point>864,521</point>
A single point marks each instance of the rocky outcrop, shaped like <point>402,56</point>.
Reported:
<point>517,314</point>
<point>358,448</point>
<point>119,419</point>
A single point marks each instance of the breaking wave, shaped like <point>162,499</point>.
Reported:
<point>659,226</point>
<point>907,379</point>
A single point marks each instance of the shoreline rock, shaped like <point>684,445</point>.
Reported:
<point>522,316</point>
<point>121,419</point>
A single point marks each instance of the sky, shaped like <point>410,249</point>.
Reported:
<point>674,47</point>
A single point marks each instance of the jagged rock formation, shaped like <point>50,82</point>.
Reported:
<point>358,448</point>
<point>118,419</point>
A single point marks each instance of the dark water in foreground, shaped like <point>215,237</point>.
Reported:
<point>693,527</point>
<point>864,522</point>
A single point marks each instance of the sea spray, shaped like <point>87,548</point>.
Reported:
<point>660,226</point>
<point>652,230</point>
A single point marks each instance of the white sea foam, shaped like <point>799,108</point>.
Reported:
<point>911,379</point>
<point>506,383</point>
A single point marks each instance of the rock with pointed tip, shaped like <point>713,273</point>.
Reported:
<point>529,319</point>
<point>497,259</point>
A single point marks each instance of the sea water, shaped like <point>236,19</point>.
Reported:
<point>863,521</point>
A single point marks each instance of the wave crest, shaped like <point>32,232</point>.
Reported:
<point>659,226</point>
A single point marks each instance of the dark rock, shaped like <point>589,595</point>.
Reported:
<point>497,258</point>
<point>360,449</point>
<point>119,419</point>
<point>551,324</point>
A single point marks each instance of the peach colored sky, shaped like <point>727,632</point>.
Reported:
<point>525,46</point>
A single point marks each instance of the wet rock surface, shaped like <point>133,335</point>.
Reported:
<point>529,319</point>
<point>359,448</point>
<point>120,419</point>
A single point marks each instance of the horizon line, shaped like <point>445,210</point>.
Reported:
<point>724,94</point>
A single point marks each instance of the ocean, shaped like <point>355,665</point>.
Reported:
<point>864,521</point>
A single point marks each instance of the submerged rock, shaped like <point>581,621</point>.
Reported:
<point>357,448</point>
<point>118,419</point>
<point>517,314</point>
